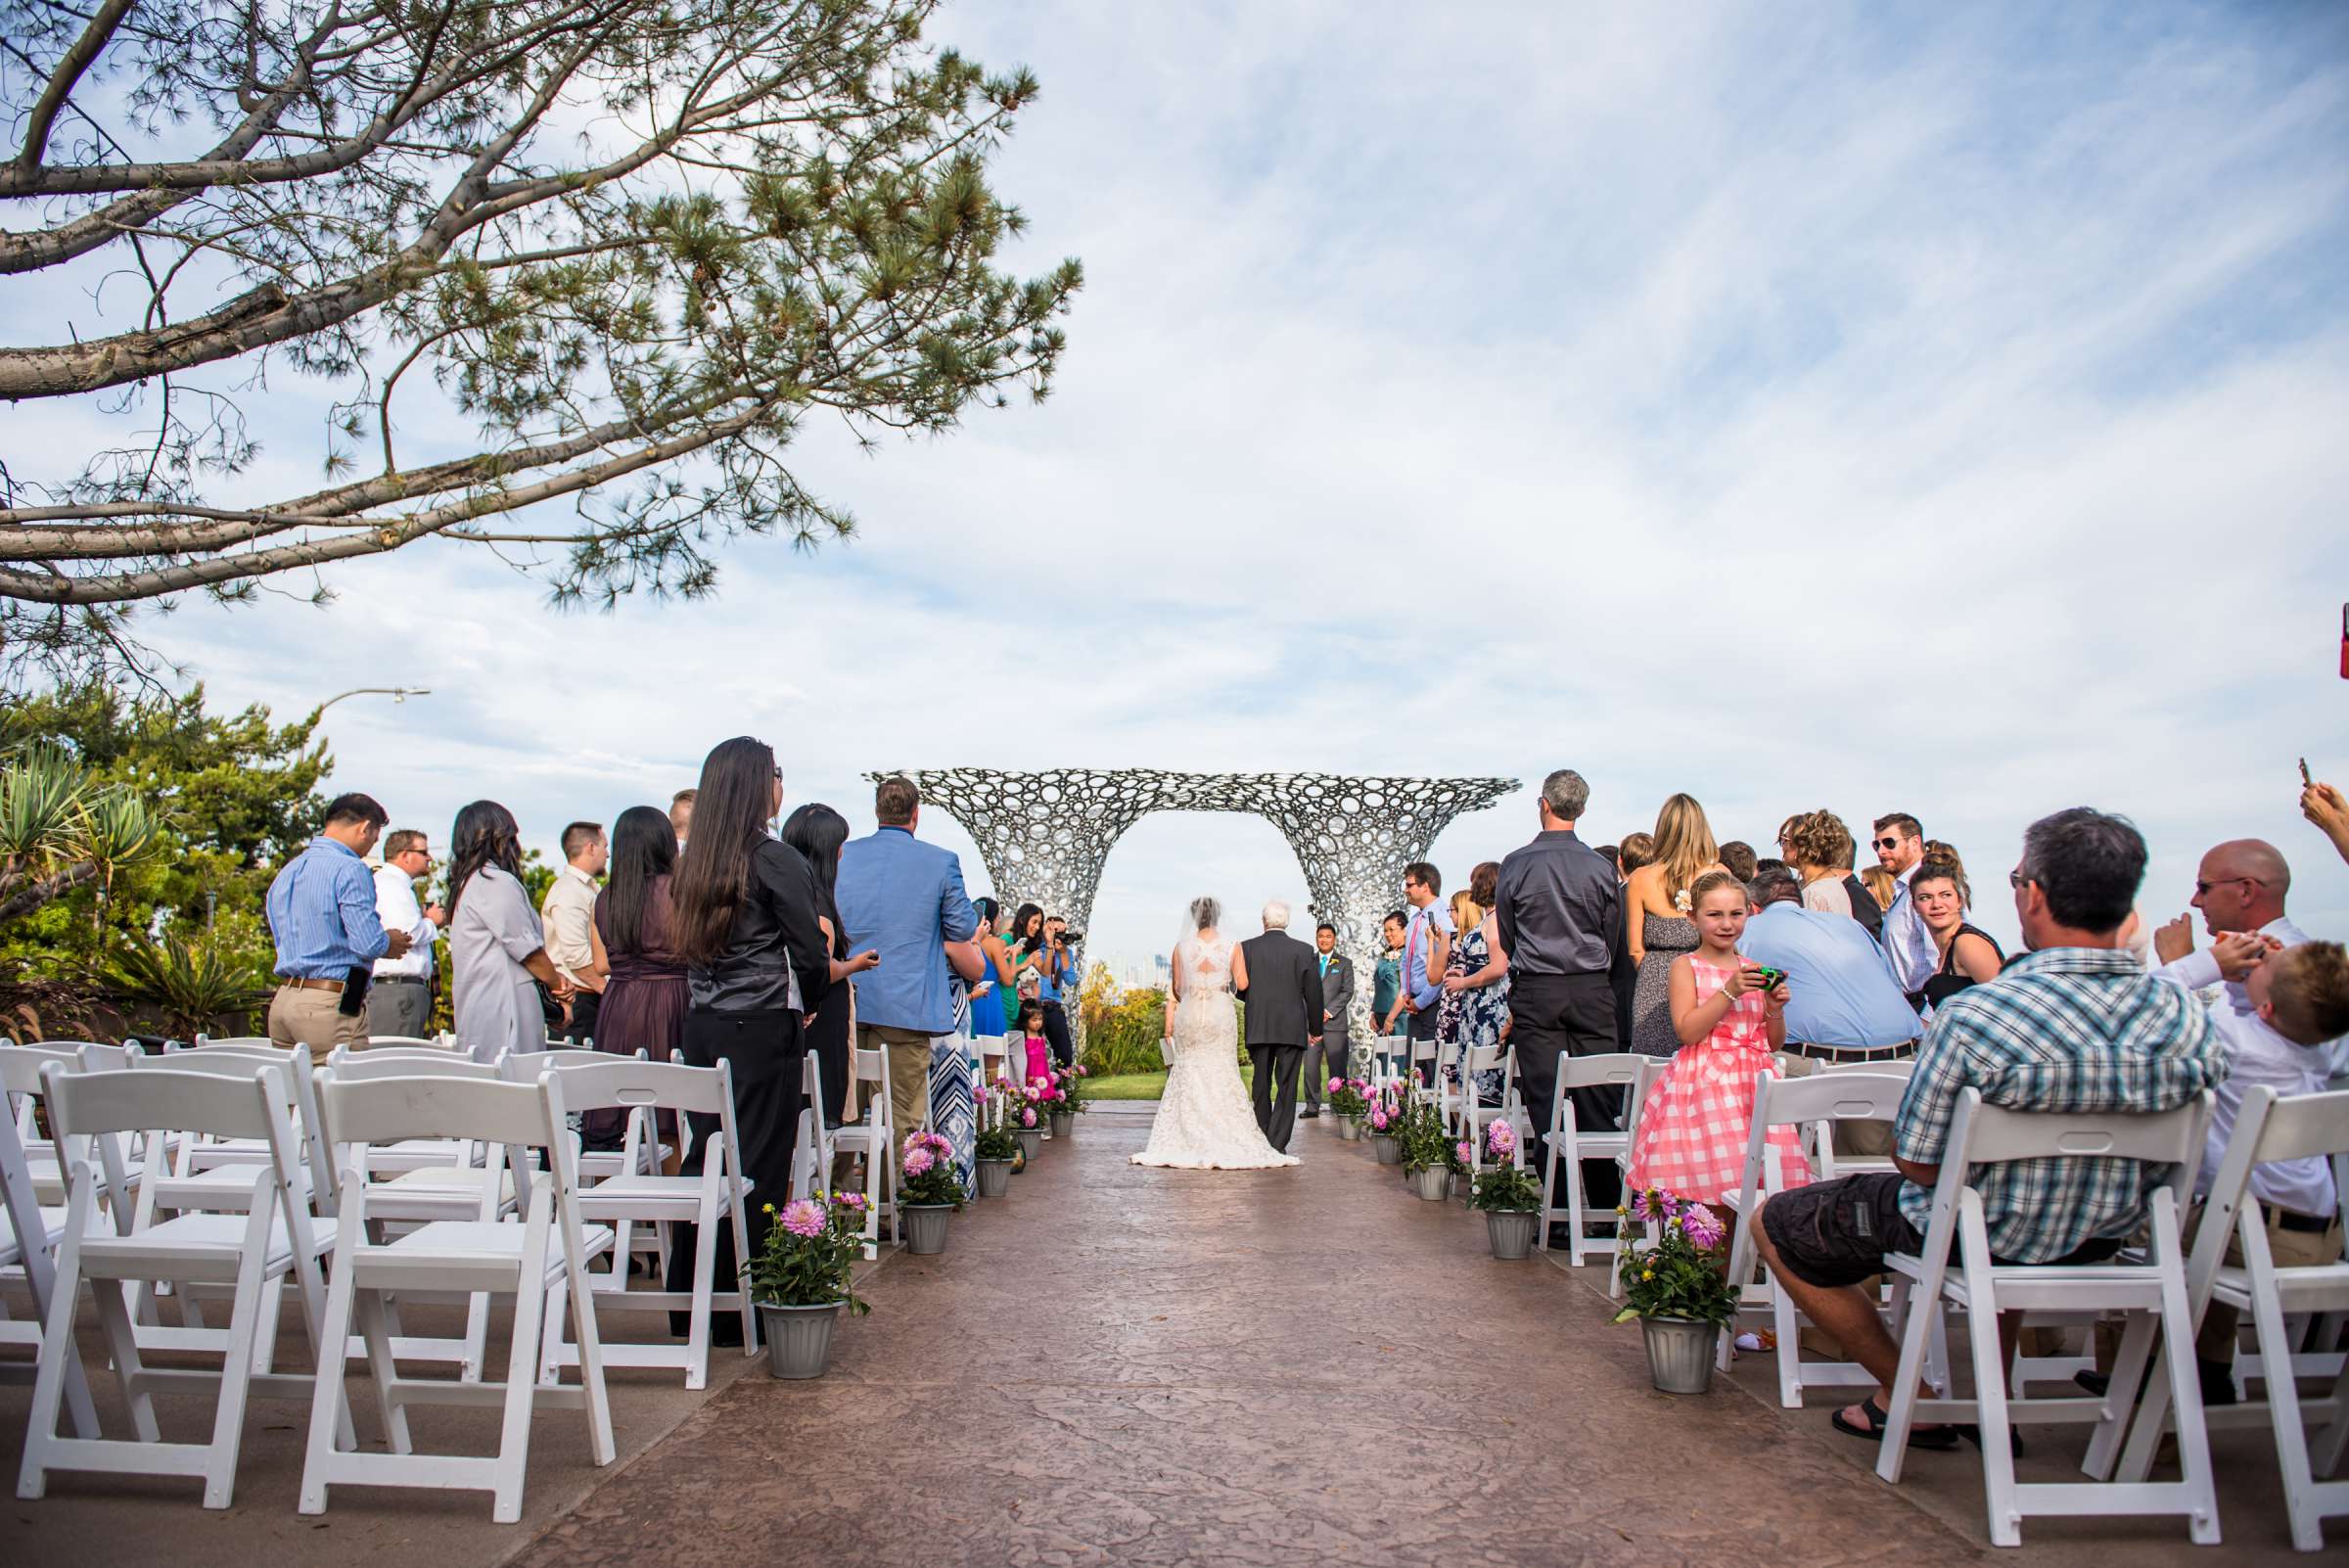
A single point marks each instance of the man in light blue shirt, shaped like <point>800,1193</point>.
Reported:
<point>1842,1003</point>
<point>904,900</point>
<point>321,910</point>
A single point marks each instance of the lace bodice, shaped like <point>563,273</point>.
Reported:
<point>1204,965</point>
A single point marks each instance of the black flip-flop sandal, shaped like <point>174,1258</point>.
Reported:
<point>1926,1437</point>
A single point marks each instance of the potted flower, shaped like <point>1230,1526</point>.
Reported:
<point>1067,1098</point>
<point>1383,1110</point>
<point>1679,1288</point>
<point>997,1147</point>
<point>1027,1121</point>
<point>1508,1194</point>
<point>1429,1156</point>
<point>931,1191</point>
<point>1348,1104</point>
<point>799,1278</point>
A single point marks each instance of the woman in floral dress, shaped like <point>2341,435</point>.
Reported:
<point>1475,1010</point>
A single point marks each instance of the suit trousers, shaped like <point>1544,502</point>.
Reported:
<point>1567,1015</point>
<point>767,1057</point>
<point>400,1005</point>
<point>1277,1117</point>
<point>1323,1062</point>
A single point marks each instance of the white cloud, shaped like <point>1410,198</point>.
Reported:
<point>1930,413</point>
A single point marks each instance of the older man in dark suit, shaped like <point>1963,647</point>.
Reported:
<point>1284,1017</point>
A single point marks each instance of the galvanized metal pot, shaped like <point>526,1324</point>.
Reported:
<point>1679,1353</point>
<point>926,1227</point>
<point>994,1178</point>
<point>1512,1232</point>
<point>799,1339</point>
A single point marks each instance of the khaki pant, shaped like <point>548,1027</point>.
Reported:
<point>2291,1249</point>
<point>302,1016</point>
<point>907,1053</point>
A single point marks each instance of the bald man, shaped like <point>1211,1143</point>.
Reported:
<point>2240,886</point>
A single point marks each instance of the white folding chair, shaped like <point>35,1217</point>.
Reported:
<point>2266,1128</point>
<point>436,1163</point>
<point>995,1055</point>
<point>874,1141</point>
<point>20,1081</point>
<point>1424,1080</point>
<point>28,1247</point>
<point>1624,1071</point>
<point>2150,1291</point>
<point>813,1150</point>
<point>527,1259</point>
<point>636,1197</point>
<point>252,1249</point>
<point>1813,1104</point>
<point>437,1043</point>
<point>1474,1114</point>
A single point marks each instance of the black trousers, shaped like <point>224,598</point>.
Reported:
<point>585,1005</point>
<point>607,1130</point>
<point>1567,1015</point>
<point>1276,1064</point>
<point>1056,1030</point>
<point>768,1056</point>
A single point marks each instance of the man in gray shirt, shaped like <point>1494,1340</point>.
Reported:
<point>1558,926</point>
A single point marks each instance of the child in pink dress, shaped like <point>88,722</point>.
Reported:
<point>1039,1048</point>
<point>1699,1113</point>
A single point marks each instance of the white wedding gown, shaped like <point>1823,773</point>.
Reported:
<point>1205,1121</point>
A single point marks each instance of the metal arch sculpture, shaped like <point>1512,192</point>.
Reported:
<point>1046,835</point>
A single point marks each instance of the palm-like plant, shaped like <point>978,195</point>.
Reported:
<point>191,983</point>
<point>60,828</point>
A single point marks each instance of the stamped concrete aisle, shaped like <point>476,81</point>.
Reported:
<point>1288,1367</point>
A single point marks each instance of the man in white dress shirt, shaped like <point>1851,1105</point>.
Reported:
<point>399,999</point>
<point>1899,845</point>
<point>2240,886</point>
<point>568,914</point>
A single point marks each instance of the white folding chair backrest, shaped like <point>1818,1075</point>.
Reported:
<point>227,1099</point>
<point>640,1086</point>
<point>238,1064</point>
<point>2267,1129</point>
<point>203,1041</point>
<point>408,1043</point>
<point>365,1111</point>
<point>366,1067</point>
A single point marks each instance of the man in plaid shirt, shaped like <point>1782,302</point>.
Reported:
<point>2073,1026</point>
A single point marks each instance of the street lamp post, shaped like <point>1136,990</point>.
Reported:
<point>399,694</point>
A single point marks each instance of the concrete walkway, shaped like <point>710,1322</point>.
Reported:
<point>1290,1367</point>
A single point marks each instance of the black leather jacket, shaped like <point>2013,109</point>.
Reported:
<point>775,938</point>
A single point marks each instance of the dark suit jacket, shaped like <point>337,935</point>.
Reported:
<point>1284,989</point>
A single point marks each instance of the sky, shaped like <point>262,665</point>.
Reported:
<point>1916,408</point>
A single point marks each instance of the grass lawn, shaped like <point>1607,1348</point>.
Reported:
<point>1141,1086</point>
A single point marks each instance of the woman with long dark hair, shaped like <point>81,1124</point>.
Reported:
<point>496,950</point>
<point>756,965</point>
<point>817,832</point>
<point>634,942</point>
<point>990,1012</point>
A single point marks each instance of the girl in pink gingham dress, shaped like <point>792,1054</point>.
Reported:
<point>1699,1112</point>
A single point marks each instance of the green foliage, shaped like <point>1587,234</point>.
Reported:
<point>1683,1272</point>
<point>1426,1145</point>
<point>231,798</point>
<point>1507,1189</point>
<point>195,983</point>
<point>790,1269</point>
<point>63,828</point>
<point>1121,1029</point>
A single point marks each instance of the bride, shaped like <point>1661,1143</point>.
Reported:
<point>1204,1118</point>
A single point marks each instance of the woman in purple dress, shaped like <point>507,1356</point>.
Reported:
<point>645,1000</point>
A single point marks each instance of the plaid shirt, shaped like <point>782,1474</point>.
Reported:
<point>2069,1029</point>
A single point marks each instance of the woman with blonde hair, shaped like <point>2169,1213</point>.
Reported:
<point>1475,1008</point>
<point>1882,886</point>
<point>1820,850</point>
<point>1657,929</point>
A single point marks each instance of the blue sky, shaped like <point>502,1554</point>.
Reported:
<point>1908,407</point>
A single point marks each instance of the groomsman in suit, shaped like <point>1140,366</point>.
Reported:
<point>1333,1056</point>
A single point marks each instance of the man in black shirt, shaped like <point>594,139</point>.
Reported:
<point>1558,912</point>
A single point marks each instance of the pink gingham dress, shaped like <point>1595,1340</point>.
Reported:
<point>1699,1112</point>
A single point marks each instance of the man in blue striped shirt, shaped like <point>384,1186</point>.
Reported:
<point>322,915</point>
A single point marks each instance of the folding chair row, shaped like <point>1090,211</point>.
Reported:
<point>1570,1144</point>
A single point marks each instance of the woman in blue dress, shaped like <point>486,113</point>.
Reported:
<point>988,1016</point>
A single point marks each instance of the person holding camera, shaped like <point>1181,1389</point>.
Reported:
<point>1057,971</point>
